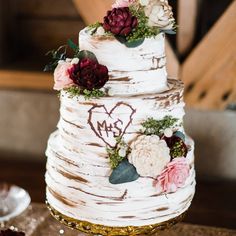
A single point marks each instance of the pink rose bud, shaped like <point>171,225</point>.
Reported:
<point>61,76</point>
<point>122,3</point>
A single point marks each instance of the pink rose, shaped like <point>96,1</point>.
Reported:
<point>173,176</point>
<point>122,3</point>
<point>61,76</point>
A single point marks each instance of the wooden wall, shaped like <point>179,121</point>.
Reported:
<point>5,29</point>
<point>41,25</point>
<point>1,32</point>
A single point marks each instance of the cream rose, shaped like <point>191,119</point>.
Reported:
<point>149,155</point>
<point>144,2</point>
<point>160,14</point>
<point>61,75</point>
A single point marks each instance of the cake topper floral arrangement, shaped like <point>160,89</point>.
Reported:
<point>159,153</point>
<point>131,21</point>
<point>80,75</point>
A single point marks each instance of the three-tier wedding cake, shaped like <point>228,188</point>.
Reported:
<point>120,162</point>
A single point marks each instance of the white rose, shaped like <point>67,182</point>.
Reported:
<point>149,155</point>
<point>100,31</point>
<point>122,152</point>
<point>168,132</point>
<point>74,61</point>
<point>144,2</point>
<point>160,14</point>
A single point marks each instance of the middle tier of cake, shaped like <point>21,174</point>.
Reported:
<point>92,125</point>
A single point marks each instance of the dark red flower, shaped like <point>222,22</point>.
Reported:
<point>89,74</point>
<point>120,21</point>
<point>177,146</point>
<point>9,232</point>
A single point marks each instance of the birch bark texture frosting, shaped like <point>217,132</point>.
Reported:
<point>78,168</point>
<point>139,107</point>
<point>132,71</point>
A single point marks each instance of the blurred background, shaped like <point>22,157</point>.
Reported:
<point>202,54</point>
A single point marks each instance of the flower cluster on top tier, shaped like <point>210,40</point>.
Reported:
<point>79,75</point>
<point>85,73</point>
<point>158,153</point>
<point>131,21</point>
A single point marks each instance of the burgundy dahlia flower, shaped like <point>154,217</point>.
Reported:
<point>177,147</point>
<point>89,74</point>
<point>120,21</point>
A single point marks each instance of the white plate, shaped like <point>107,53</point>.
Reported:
<point>13,201</point>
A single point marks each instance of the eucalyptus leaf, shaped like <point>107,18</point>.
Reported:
<point>123,173</point>
<point>168,31</point>
<point>231,107</point>
<point>130,44</point>
<point>56,56</point>
<point>134,43</point>
<point>47,68</point>
<point>180,135</point>
<point>87,54</point>
<point>121,39</point>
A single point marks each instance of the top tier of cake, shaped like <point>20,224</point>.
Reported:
<point>132,71</point>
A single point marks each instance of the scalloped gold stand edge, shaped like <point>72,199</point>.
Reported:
<point>96,229</point>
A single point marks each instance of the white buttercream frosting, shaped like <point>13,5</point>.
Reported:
<point>132,71</point>
<point>78,167</point>
<point>78,187</point>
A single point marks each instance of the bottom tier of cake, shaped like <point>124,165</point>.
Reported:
<point>79,192</point>
<point>95,229</point>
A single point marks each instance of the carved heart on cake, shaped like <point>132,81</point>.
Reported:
<point>110,124</point>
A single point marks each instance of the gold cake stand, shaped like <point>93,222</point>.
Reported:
<point>96,229</point>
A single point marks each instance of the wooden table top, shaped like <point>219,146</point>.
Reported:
<point>37,221</point>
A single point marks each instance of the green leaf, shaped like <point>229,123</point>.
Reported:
<point>130,44</point>
<point>56,55</point>
<point>48,68</point>
<point>72,45</point>
<point>93,27</point>
<point>124,173</point>
<point>168,31</point>
<point>180,135</point>
<point>87,54</point>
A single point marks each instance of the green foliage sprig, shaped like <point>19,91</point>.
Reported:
<point>74,47</point>
<point>95,93</point>
<point>93,27</point>
<point>179,149</point>
<point>74,91</point>
<point>56,55</point>
<point>157,127</point>
<point>61,54</point>
<point>142,30</point>
<point>113,153</point>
